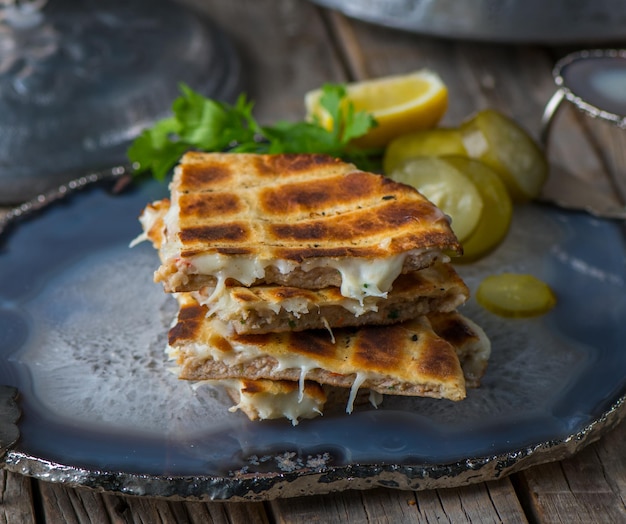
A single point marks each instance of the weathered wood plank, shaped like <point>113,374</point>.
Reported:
<point>486,502</point>
<point>589,487</point>
<point>348,507</point>
<point>72,506</point>
<point>285,48</point>
<point>137,509</point>
<point>514,79</point>
<point>371,52</point>
<point>611,450</point>
<point>79,506</point>
<point>490,502</point>
<point>16,499</point>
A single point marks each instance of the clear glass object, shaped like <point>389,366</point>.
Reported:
<point>80,79</point>
<point>594,82</point>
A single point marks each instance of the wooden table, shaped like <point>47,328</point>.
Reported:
<point>289,47</point>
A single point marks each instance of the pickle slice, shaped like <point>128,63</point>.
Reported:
<point>515,295</point>
<point>447,187</point>
<point>497,210</point>
<point>433,142</point>
<point>509,150</point>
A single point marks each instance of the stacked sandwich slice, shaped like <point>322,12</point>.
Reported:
<point>300,276</point>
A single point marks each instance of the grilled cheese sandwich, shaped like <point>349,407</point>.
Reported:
<point>307,221</point>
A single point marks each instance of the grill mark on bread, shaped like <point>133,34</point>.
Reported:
<point>378,349</point>
<point>315,195</point>
<point>316,345</point>
<point>361,224</point>
<point>409,357</point>
<point>200,175</point>
<point>437,361</point>
<point>398,214</point>
<point>235,232</point>
<point>202,205</point>
<point>472,351</point>
<point>293,163</point>
<point>218,211</point>
<point>189,324</point>
<point>452,328</point>
<point>244,295</point>
<point>221,344</point>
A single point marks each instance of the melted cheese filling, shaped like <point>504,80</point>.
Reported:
<point>268,405</point>
<point>288,405</point>
<point>375,398</point>
<point>243,352</point>
<point>147,220</point>
<point>228,309</point>
<point>363,278</point>
<point>293,405</point>
<point>360,278</point>
<point>354,389</point>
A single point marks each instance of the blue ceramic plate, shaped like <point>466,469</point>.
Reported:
<point>82,336</point>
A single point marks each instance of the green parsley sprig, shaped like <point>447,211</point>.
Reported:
<point>203,124</point>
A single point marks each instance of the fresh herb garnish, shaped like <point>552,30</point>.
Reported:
<point>202,124</point>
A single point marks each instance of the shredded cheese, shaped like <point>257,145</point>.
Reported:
<point>360,278</point>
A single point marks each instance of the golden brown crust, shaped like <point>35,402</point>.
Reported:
<point>407,358</point>
<point>469,340</point>
<point>292,207</point>
<point>266,308</point>
<point>344,212</point>
<point>282,387</point>
<point>316,278</point>
<point>152,221</point>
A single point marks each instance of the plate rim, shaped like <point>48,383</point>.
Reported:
<point>304,481</point>
<point>244,486</point>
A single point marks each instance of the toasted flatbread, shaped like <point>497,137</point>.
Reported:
<point>271,399</point>
<point>270,308</point>
<point>301,220</point>
<point>152,223</point>
<point>470,341</point>
<point>264,399</point>
<point>403,359</point>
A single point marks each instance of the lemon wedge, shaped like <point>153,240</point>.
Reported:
<point>447,187</point>
<point>399,103</point>
<point>515,295</point>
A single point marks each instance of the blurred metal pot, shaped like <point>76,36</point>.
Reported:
<point>514,21</point>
